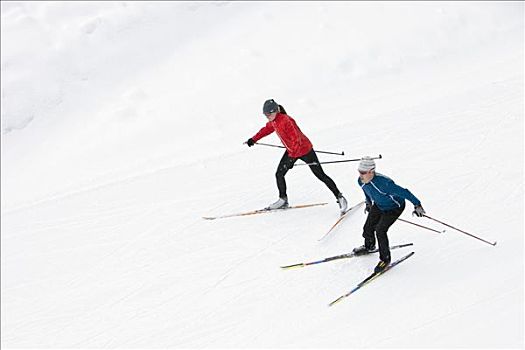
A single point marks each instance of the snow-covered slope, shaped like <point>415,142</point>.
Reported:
<point>123,123</point>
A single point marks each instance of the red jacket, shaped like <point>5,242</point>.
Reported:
<point>291,136</point>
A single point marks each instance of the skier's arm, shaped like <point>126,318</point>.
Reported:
<point>367,198</point>
<point>393,188</point>
<point>265,131</point>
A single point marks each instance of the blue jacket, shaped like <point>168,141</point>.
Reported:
<point>385,194</point>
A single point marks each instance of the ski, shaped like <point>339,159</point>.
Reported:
<point>261,211</point>
<point>342,256</point>
<point>341,219</point>
<point>371,278</point>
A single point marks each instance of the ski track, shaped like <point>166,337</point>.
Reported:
<point>446,314</point>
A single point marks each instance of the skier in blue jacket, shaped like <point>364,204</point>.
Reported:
<point>385,201</point>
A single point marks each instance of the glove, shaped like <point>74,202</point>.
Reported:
<point>418,211</point>
<point>250,142</point>
<point>368,205</point>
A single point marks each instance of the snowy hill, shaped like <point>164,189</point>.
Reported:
<point>123,124</point>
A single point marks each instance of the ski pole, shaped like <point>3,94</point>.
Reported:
<point>338,161</point>
<point>457,229</point>
<point>427,228</point>
<point>266,144</point>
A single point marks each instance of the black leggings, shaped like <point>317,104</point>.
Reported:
<point>287,163</point>
<point>377,224</point>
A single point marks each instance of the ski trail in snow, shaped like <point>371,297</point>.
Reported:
<point>243,261</point>
<point>447,315</point>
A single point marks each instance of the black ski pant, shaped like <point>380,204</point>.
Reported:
<point>377,224</point>
<point>287,163</point>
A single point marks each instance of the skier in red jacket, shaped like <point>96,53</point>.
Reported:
<point>298,146</point>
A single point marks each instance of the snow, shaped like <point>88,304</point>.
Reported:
<point>123,124</point>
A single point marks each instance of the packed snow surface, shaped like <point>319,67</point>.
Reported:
<point>123,125</point>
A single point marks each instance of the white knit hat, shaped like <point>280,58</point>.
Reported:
<point>366,164</point>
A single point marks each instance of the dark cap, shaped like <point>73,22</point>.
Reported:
<point>270,106</point>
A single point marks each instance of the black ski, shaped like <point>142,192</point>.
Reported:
<point>342,256</point>
<point>371,278</point>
